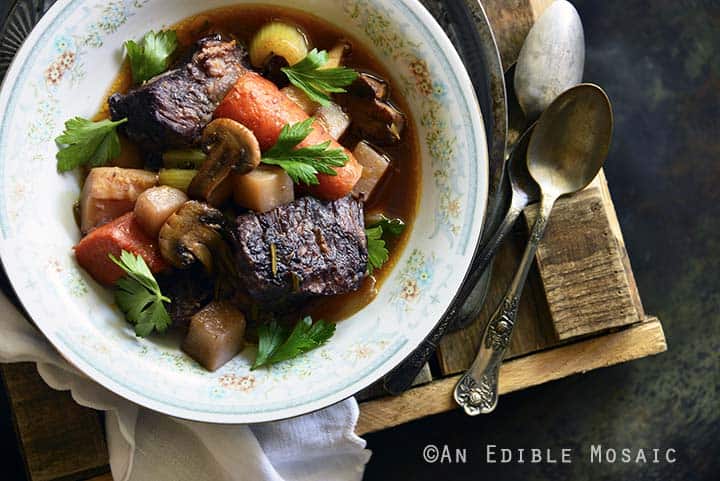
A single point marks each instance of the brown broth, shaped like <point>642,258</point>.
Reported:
<point>398,194</point>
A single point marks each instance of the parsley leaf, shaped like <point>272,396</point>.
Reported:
<point>377,251</point>
<point>317,82</point>
<point>277,343</point>
<point>152,55</point>
<point>138,295</point>
<point>303,165</point>
<point>390,226</point>
<point>87,143</point>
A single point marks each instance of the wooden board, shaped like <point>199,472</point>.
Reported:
<point>585,284</point>
<point>58,437</point>
<point>587,287</point>
<point>565,327</point>
<point>633,342</point>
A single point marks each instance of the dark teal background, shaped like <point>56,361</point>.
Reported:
<point>660,63</point>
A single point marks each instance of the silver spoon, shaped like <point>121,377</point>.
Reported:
<point>552,58</point>
<point>551,61</point>
<point>566,151</point>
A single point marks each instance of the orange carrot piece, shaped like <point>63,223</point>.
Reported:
<point>124,233</point>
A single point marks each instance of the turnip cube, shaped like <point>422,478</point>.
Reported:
<point>155,205</point>
<point>334,119</point>
<point>301,99</point>
<point>216,334</point>
<point>374,165</point>
<point>110,192</point>
<point>263,189</point>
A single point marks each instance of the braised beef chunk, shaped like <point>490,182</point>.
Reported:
<point>171,110</point>
<point>305,248</point>
<point>189,291</point>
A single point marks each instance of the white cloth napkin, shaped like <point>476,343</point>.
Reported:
<point>148,446</point>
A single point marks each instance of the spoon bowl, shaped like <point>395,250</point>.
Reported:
<point>552,58</point>
<point>571,140</point>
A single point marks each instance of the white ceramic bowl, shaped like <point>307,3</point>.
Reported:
<point>63,70</point>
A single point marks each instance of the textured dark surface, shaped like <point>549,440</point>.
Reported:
<point>321,244</point>
<point>660,63</point>
<point>172,109</point>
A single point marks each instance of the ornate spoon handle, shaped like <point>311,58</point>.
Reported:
<point>477,390</point>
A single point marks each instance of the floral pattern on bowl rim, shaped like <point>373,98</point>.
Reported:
<point>78,36</point>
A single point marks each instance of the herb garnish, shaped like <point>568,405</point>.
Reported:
<point>276,343</point>
<point>390,226</point>
<point>317,82</point>
<point>152,55</point>
<point>85,142</point>
<point>303,165</point>
<point>377,251</point>
<point>138,295</point>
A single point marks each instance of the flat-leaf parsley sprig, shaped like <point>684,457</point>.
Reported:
<point>317,82</point>
<point>276,343</point>
<point>303,164</point>
<point>378,253</point>
<point>151,56</point>
<point>138,295</point>
<point>84,142</point>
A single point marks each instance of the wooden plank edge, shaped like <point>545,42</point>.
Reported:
<point>633,342</point>
<point>617,232</point>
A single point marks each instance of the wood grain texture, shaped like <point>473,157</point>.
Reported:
<point>633,342</point>
<point>580,261</point>
<point>59,438</point>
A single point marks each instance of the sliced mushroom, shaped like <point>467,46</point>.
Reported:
<point>195,232</point>
<point>230,147</point>
<point>370,86</point>
<point>337,54</point>
<point>374,117</point>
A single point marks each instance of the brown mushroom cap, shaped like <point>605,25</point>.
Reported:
<point>194,232</point>
<point>230,147</point>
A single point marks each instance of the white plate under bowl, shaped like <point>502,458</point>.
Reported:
<point>63,70</point>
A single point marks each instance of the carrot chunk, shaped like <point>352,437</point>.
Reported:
<point>124,233</point>
<point>259,105</point>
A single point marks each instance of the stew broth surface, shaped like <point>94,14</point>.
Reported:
<point>398,194</point>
